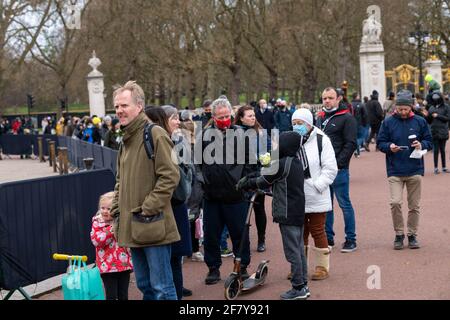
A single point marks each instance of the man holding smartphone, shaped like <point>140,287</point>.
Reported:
<point>398,137</point>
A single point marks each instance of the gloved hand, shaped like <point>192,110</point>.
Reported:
<point>246,184</point>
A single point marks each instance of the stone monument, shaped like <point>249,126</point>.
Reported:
<point>434,67</point>
<point>371,56</point>
<point>96,87</point>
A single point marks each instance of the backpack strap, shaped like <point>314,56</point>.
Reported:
<point>148,140</point>
<point>319,146</point>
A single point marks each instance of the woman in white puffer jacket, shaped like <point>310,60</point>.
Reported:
<point>319,175</point>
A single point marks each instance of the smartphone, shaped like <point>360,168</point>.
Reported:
<point>403,147</point>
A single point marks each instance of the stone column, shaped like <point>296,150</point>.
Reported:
<point>373,71</point>
<point>371,55</point>
<point>434,67</point>
<point>96,87</point>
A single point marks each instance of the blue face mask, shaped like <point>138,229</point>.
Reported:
<point>301,129</point>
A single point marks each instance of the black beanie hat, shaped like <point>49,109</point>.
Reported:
<point>374,94</point>
<point>404,98</point>
<point>114,122</point>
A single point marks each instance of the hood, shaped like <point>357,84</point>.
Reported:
<point>434,85</point>
<point>289,144</point>
<point>440,100</point>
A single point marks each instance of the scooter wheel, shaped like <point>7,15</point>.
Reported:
<point>232,287</point>
<point>262,273</point>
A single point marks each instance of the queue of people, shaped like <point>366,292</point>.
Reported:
<point>142,226</point>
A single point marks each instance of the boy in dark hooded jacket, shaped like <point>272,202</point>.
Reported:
<point>288,208</point>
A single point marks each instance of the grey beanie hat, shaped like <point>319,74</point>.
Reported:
<point>404,98</point>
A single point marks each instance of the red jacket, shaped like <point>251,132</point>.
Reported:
<point>109,256</point>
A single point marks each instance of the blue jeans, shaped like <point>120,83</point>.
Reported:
<point>366,132</point>
<point>340,188</point>
<point>223,239</point>
<point>360,138</point>
<point>153,272</point>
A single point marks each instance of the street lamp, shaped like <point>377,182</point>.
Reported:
<point>419,38</point>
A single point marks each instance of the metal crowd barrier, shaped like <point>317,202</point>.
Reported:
<point>78,150</point>
<point>39,217</point>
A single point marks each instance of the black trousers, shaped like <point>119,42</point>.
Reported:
<point>176,262</point>
<point>260,217</point>
<point>374,128</point>
<point>439,145</point>
<point>116,285</point>
<point>194,240</point>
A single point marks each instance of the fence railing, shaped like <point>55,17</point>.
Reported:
<point>78,150</point>
<point>43,216</point>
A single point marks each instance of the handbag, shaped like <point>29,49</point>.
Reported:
<point>199,227</point>
<point>148,229</point>
<point>82,283</point>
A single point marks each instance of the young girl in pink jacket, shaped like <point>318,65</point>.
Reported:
<point>113,261</point>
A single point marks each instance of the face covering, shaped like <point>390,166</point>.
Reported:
<point>223,124</point>
<point>301,129</point>
<point>436,98</point>
<point>208,115</point>
<point>331,110</point>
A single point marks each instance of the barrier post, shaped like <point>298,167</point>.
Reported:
<point>53,155</point>
<point>60,161</point>
<point>88,163</point>
<point>41,150</point>
<point>65,160</point>
<point>49,153</point>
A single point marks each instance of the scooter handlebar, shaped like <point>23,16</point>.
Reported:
<point>59,256</point>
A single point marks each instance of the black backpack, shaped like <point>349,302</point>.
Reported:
<point>184,188</point>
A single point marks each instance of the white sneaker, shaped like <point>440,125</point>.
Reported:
<point>198,257</point>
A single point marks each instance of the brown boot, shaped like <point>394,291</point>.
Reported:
<point>320,273</point>
<point>322,256</point>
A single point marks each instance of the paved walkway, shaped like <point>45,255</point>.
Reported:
<point>407,274</point>
<point>14,169</point>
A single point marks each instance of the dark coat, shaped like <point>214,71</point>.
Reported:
<point>266,119</point>
<point>283,120</point>
<point>340,127</point>
<point>288,204</point>
<point>375,112</point>
<point>110,140</point>
<point>220,177</point>
<point>360,113</point>
<point>439,125</point>
<point>396,130</point>
<point>184,246</point>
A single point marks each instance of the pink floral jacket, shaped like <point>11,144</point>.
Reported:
<point>109,256</point>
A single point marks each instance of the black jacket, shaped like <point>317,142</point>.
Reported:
<point>374,112</point>
<point>220,177</point>
<point>439,125</point>
<point>266,119</point>
<point>341,128</point>
<point>288,204</point>
<point>110,140</point>
<point>360,113</point>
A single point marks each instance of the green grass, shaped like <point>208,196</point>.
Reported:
<point>16,110</point>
